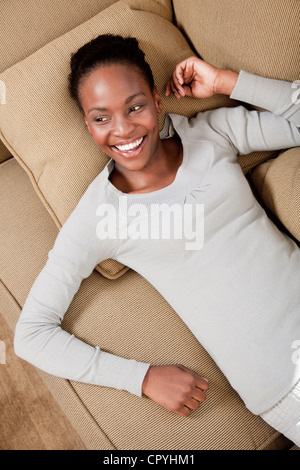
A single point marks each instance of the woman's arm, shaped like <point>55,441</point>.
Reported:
<point>245,130</point>
<point>39,338</point>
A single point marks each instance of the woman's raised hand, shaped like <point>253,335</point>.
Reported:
<point>196,78</point>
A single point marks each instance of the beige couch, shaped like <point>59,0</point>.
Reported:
<point>48,160</point>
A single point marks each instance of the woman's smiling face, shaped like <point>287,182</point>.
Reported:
<point>121,113</point>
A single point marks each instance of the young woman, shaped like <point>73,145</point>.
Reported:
<point>236,284</point>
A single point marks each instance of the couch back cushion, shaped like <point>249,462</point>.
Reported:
<point>27,26</point>
<point>259,36</point>
<point>41,124</point>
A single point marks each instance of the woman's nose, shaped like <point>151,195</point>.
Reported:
<point>122,127</point>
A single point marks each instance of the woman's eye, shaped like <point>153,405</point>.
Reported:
<point>135,108</point>
<point>101,120</point>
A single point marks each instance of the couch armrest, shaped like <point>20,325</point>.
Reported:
<point>277,182</point>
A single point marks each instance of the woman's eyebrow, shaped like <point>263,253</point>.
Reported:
<point>97,109</point>
<point>130,98</point>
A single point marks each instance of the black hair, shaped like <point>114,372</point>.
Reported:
<point>106,49</point>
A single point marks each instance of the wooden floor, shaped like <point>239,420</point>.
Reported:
<point>30,419</point>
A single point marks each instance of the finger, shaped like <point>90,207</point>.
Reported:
<point>192,403</point>
<point>199,395</point>
<point>174,89</point>
<point>201,382</point>
<point>185,72</point>
<point>168,89</point>
<point>183,411</point>
<point>177,83</point>
<point>179,73</point>
<point>187,91</point>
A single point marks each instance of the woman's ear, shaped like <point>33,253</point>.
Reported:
<point>157,99</point>
<point>86,122</point>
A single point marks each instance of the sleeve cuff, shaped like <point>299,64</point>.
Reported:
<point>122,374</point>
<point>260,91</point>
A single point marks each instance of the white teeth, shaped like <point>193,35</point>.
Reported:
<point>128,147</point>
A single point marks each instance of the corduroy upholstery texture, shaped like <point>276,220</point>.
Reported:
<point>258,36</point>
<point>40,22</point>
<point>4,152</point>
<point>43,129</point>
<point>124,316</point>
<point>282,199</point>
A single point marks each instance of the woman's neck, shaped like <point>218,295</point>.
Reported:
<point>158,174</point>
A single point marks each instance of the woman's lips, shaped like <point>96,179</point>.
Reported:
<point>132,149</point>
<point>130,146</point>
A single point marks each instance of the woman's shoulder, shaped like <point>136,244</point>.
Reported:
<point>208,125</point>
<point>84,211</point>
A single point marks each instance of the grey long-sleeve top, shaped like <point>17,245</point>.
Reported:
<point>223,266</point>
